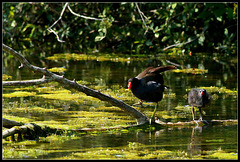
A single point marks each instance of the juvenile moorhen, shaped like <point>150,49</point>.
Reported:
<point>149,85</point>
<point>198,98</point>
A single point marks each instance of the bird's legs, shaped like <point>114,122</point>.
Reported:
<point>201,116</point>
<point>193,112</point>
<point>139,103</point>
<point>153,115</point>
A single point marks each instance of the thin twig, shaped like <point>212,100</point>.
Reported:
<point>142,14</point>
<point>178,44</point>
<point>85,17</point>
<point>60,17</point>
<point>27,82</point>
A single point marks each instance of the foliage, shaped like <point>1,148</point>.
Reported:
<point>207,26</point>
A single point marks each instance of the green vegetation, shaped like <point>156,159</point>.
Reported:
<point>191,71</point>
<point>6,77</point>
<point>123,38</point>
<point>195,27</point>
<point>133,150</point>
<point>57,107</point>
<point>99,57</point>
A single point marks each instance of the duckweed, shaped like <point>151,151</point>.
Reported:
<point>57,69</point>
<point>99,57</point>
<point>219,154</point>
<point>219,90</point>
<point>19,94</point>
<point>191,70</point>
<point>6,77</point>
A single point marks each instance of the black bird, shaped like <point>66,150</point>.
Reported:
<point>198,98</point>
<point>149,85</point>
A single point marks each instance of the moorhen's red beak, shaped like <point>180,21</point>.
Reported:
<point>129,85</point>
<point>201,93</point>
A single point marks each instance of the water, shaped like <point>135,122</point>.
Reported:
<point>195,142</point>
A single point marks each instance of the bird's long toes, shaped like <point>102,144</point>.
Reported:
<point>204,121</point>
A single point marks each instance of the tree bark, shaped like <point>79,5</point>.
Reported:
<point>10,123</point>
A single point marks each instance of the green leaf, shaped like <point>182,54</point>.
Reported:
<point>156,35</point>
<point>174,5</point>
<point>98,38</point>
<point>226,31</point>
<point>219,18</point>
<point>165,38</point>
<point>149,43</point>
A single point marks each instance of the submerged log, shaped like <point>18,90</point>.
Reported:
<point>30,131</point>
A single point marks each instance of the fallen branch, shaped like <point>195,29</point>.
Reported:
<point>141,118</point>
<point>27,82</point>
<point>10,123</point>
<point>30,131</point>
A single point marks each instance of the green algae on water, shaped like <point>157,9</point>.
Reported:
<point>19,94</point>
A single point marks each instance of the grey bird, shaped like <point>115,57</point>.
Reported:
<point>198,98</point>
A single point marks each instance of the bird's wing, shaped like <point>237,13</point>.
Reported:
<point>161,69</point>
<point>145,72</point>
<point>151,71</point>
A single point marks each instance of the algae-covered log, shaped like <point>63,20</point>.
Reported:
<point>10,123</point>
<point>30,131</point>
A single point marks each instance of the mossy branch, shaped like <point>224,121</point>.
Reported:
<point>29,131</point>
<point>141,118</point>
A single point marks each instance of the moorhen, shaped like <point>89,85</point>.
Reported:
<point>149,85</point>
<point>198,98</point>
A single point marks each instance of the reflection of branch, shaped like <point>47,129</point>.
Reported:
<point>187,41</point>
<point>60,17</point>
<point>141,118</point>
